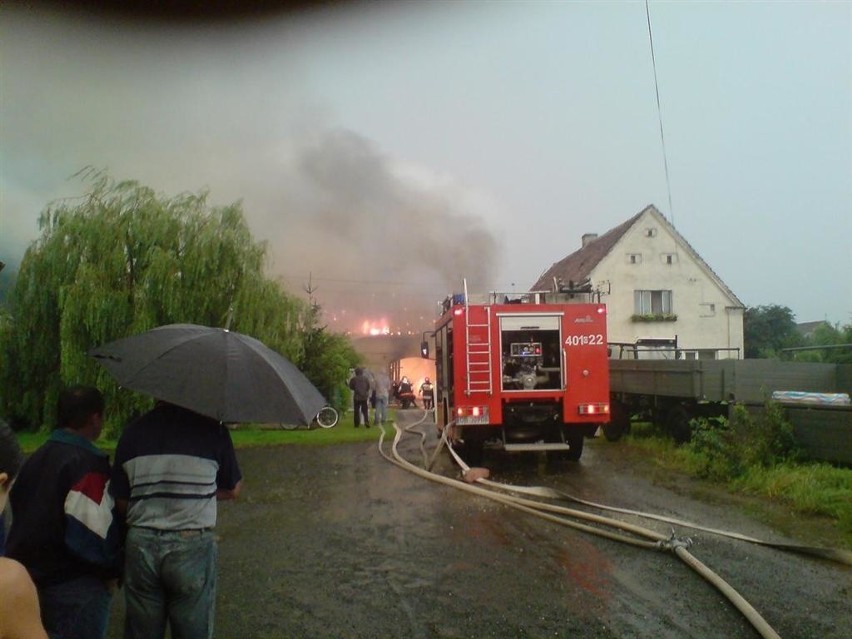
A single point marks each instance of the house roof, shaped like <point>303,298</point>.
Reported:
<point>806,329</point>
<point>579,265</point>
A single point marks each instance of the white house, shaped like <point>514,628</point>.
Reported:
<point>660,294</point>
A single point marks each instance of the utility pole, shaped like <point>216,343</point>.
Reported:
<point>309,289</point>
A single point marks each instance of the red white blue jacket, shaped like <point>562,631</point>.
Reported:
<point>63,520</point>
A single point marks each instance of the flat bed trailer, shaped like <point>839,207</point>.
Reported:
<point>671,392</point>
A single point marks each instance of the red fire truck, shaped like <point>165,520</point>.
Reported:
<point>522,372</point>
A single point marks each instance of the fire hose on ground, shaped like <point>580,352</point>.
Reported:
<point>642,537</point>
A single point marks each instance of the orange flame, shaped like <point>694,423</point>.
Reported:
<point>375,327</point>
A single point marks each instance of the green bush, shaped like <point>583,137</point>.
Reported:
<point>727,449</point>
<point>712,444</point>
<point>756,455</point>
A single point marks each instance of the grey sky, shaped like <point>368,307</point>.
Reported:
<point>415,143</point>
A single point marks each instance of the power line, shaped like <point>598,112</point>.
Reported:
<point>659,112</point>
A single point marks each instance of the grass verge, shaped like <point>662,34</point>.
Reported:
<point>251,435</point>
<point>344,432</point>
<point>803,488</point>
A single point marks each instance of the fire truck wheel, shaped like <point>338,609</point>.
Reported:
<point>576,443</point>
<point>472,452</point>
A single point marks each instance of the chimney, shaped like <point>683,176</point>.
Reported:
<point>588,238</point>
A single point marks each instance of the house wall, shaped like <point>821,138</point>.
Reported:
<point>707,317</point>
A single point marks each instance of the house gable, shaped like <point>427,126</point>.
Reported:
<point>656,287</point>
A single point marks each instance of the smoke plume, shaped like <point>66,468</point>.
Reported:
<point>372,241</point>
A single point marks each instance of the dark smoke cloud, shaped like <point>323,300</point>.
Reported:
<point>375,241</point>
<point>232,111</point>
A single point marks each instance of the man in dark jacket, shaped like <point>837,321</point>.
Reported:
<point>360,385</point>
<point>63,530</point>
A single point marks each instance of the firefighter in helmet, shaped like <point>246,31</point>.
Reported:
<point>405,393</point>
<point>426,393</point>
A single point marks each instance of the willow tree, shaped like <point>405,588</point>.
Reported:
<point>121,260</point>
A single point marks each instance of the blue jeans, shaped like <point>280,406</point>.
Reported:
<point>381,414</point>
<point>169,577</point>
<point>75,609</point>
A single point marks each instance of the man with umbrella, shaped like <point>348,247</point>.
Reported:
<point>171,465</point>
<point>176,461</point>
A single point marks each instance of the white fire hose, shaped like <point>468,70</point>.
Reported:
<point>567,517</point>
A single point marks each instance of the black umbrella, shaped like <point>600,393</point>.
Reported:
<point>213,371</point>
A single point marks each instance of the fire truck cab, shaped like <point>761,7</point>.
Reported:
<point>522,372</point>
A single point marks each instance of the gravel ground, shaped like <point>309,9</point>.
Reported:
<point>338,542</point>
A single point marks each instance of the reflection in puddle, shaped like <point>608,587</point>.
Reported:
<point>586,567</point>
<point>568,561</point>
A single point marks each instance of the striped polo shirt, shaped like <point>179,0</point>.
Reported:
<point>169,464</point>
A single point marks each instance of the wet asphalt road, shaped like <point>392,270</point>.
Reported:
<point>338,542</point>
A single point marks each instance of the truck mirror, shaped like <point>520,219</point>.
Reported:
<point>424,350</point>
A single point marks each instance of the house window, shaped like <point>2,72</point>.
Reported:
<point>634,258</point>
<point>652,302</point>
<point>650,232</point>
<point>669,258</point>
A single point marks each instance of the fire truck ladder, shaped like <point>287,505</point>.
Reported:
<point>478,353</point>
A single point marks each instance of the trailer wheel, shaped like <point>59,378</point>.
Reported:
<point>619,423</point>
<point>677,424</point>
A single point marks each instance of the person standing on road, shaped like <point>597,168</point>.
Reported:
<point>19,609</point>
<point>63,529</point>
<point>171,466</point>
<point>360,386</point>
<point>382,391</point>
